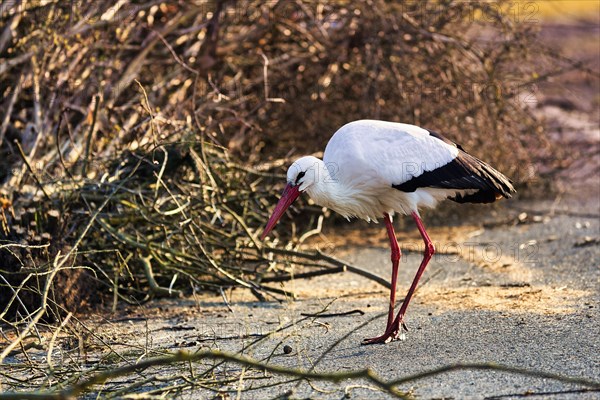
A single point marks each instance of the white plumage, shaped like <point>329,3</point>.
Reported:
<point>356,180</point>
<point>373,169</point>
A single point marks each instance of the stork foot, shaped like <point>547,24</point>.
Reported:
<point>390,335</point>
<point>385,338</point>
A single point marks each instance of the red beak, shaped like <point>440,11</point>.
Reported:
<point>290,193</point>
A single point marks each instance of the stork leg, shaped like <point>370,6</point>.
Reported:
<point>396,254</point>
<point>391,333</point>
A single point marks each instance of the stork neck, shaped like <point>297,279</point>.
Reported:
<point>345,197</point>
<point>325,187</point>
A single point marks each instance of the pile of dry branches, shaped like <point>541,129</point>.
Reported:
<point>127,128</point>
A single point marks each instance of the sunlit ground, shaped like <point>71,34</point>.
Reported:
<point>560,10</point>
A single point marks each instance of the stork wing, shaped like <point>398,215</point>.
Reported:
<point>407,158</point>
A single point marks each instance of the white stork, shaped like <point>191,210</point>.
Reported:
<point>373,169</point>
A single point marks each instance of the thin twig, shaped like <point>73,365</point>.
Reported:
<point>331,315</point>
<point>31,171</point>
<point>155,288</point>
<point>367,374</point>
<point>88,141</point>
<point>318,255</point>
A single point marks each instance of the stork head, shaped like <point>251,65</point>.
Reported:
<point>302,174</point>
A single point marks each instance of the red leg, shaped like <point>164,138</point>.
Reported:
<point>429,251</point>
<point>396,254</point>
<point>392,332</point>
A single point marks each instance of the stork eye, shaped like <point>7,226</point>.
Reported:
<point>300,176</point>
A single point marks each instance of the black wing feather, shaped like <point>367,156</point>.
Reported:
<point>465,172</point>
